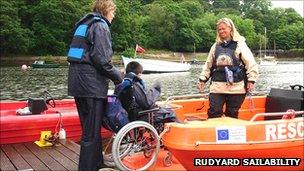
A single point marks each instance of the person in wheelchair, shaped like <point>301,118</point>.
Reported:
<point>135,97</point>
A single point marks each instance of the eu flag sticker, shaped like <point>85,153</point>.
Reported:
<point>231,134</point>
<point>222,134</point>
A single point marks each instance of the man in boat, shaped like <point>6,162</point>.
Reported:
<point>232,69</point>
<point>90,70</point>
<point>135,96</point>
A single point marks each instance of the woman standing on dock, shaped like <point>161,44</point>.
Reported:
<point>232,69</point>
<point>90,69</point>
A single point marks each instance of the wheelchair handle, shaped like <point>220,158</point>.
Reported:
<point>144,112</point>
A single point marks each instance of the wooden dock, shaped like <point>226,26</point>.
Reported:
<point>28,156</point>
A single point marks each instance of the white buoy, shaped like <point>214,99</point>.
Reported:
<point>24,67</point>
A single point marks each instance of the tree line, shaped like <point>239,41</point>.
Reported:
<point>45,27</point>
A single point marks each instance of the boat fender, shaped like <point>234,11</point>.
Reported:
<point>24,67</point>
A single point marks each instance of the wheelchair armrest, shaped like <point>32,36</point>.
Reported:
<point>145,112</point>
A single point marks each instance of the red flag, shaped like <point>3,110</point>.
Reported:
<point>139,49</point>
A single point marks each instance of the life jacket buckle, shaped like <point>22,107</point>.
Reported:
<point>229,75</point>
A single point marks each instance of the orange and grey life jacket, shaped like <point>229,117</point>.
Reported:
<point>225,57</point>
<point>80,45</point>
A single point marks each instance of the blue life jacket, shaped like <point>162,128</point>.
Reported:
<point>80,45</point>
<point>225,62</point>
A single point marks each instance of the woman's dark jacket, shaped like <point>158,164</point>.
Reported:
<point>91,78</point>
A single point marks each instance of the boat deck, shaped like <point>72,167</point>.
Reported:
<point>28,156</point>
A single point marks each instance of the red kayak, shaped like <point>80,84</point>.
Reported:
<point>16,128</point>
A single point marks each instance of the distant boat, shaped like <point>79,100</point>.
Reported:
<point>158,66</point>
<point>267,60</point>
<point>42,64</point>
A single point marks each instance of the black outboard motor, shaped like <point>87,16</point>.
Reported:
<point>37,105</point>
<point>281,100</point>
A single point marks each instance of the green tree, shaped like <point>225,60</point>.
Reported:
<point>205,27</point>
<point>53,22</point>
<point>194,8</point>
<point>161,26</point>
<point>290,37</point>
<point>121,28</point>
<point>257,11</point>
<point>246,28</point>
<point>45,27</point>
<point>226,6</point>
<point>248,6</point>
<point>14,38</point>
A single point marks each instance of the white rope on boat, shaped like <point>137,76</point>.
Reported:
<point>251,102</point>
<point>166,129</point>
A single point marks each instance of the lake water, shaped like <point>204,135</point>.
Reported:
<point>20,85</point>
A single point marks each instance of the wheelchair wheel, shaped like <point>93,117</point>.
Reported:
<point>136,141</point>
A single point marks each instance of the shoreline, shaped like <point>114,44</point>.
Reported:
<point>199,59</point>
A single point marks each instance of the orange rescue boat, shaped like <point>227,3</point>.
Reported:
<point>266,136</point>
<point>255,141</point>
<point>247,144</point>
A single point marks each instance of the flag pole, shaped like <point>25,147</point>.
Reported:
<point>135,51</point>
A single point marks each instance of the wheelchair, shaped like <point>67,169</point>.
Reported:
<point>139,139</point>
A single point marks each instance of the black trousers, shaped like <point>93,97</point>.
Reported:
<point>90,111</point>
<point>233,104</point>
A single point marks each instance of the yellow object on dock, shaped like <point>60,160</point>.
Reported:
<point>42,142</point>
